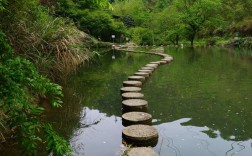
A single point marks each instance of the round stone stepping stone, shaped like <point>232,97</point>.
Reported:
<point>142,74</point>
<point>132,83</point>
<point>132,95</point>
<point>168,58</point>
<point>140,135</point>
<point>163,62</point>
<point>136,78</point>
<point>147,68</point>
<point>134,118</point>
<point>157,62</point>
<point>137,105</point>
<point>140,151</point>
<point>152,65</point>
<point>130,89</point>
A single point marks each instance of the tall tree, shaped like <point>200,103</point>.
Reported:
<point>195,15</point>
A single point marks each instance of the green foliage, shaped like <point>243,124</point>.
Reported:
<point>135,9</point>
<point>53,44</point>
<point>2,4</point>
<point>55,144</point>
<point>141,36</point>
<point>19,87</point>
<point>100,25</point>
<point>175,20</point>
<point>92,17</point>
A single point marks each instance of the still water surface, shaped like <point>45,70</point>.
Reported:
<point>201,104</point>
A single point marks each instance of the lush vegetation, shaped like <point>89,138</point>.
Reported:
<point>171,21</point>
<point>54,44</point>
<point>38,42</point>
<point>92,17</point>
<point>34,43</point>
<point>19,113</point>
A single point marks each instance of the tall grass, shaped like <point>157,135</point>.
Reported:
<point>53,44</point>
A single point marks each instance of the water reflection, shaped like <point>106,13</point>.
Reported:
<point>213,90</point>
<point>201,104</point>
<point>178,140</point>
<point>102,136</point>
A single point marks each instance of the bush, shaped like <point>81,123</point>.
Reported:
<point>53,44</point>
<point>91,17</point>
<point>141,36</point>
<point>20,84</point>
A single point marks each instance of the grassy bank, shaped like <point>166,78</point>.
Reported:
<point>35,46</point>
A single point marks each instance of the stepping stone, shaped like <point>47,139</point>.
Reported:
<point>134,118</point>
<point>132,95</point>
<point>157,62</point>
<point>140,151</point>
<point>132,83</point>
<point>169,58</point>
<point>152,65</point>
<point>161,54</point>
<point>163,62</point>
<point>148,68</point>
<point>137,105</point>
<point>140,135</point>
<point>136,78</point>
<point>130,89</point>
<point>142,74</point>
<point>145,70</point>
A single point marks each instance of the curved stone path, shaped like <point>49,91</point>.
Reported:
<point>138,131</point>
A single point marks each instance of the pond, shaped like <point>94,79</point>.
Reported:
<point>201,103</point>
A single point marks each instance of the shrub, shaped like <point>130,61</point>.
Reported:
<point>53,44</point>
<point>141,36</point>
<point>93,17</point>
<point>20,84</point>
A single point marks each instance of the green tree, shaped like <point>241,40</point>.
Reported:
<point>195,15</point>
<point>92,17</point>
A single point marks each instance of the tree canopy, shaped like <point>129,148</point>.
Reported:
<point>174,20</point>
